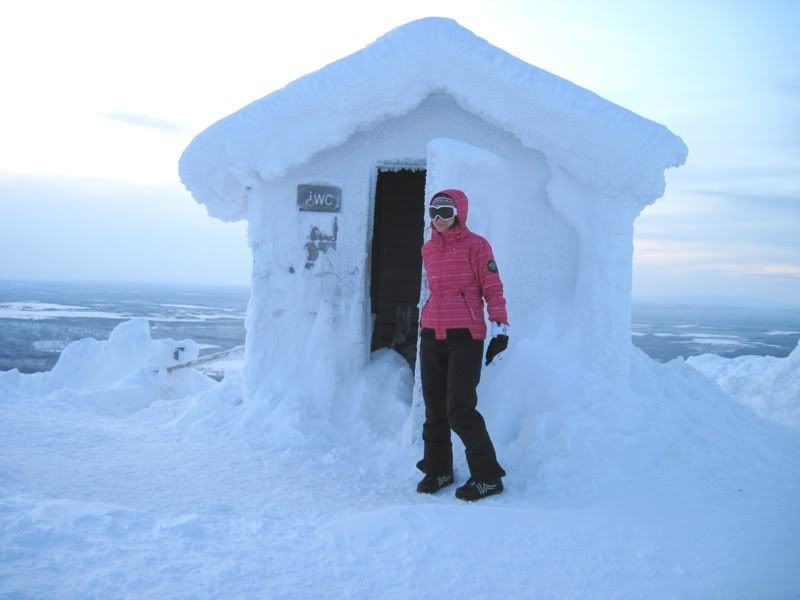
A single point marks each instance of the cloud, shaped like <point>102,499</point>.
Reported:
<point>778,174</point>
<point>747,223</point>
<point>734,257</point>
<point>89,229</point>
<point>777,200</point>
<point>781,271</point>
<point>726,272</point>
<point>677,253</point>
<point>144,121</point>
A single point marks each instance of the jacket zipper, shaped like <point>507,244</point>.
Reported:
<point>469,308</point>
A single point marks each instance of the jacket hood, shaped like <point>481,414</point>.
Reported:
<point>462,204</point>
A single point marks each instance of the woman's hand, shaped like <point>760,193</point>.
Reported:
<point>499,341</point>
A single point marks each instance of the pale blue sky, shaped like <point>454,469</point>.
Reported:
<point>100,98</point>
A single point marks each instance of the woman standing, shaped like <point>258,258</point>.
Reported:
<point>461,273</point>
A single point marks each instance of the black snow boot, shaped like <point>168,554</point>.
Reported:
<point>433,483</point>
<point>475,490</point>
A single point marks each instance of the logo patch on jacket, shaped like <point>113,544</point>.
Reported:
<point>492,266</point>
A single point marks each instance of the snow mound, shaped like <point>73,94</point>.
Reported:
<point>121,374</point>
<point>768,385</point>
<point>329,409</point>
<point>573,433</point>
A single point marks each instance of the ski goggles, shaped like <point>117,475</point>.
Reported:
<point>442,212</point>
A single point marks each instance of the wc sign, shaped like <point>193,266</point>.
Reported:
<point>319,198</point>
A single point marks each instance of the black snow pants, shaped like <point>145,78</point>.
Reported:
<point>450,372</point>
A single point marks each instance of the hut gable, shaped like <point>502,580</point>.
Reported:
<point>599,143</point>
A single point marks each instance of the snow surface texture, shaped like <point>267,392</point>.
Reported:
<point>601,144</point>
<point>768,385</point>
<point>664,488</point>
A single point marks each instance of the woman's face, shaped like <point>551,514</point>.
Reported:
<point>442,225</point>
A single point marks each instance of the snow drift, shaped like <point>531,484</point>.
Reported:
<point>121,374</point>
<point>768,385</point>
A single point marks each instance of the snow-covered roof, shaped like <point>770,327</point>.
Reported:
<point>600,143</point>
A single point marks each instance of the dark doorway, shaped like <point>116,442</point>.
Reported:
<point>396,262</point>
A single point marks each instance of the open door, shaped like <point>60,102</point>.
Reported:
<point>396,269</point>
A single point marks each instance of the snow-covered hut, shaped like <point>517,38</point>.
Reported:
<point>332,173</point>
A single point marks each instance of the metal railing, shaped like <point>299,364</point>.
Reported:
<point>204,359</point>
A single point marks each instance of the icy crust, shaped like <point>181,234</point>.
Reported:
<point>600,143</point>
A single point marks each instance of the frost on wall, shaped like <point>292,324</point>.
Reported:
<point>595,327</point>
<point>305,318</point>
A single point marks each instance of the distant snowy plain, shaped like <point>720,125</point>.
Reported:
<point>38,320</point>
<point>118,480</point>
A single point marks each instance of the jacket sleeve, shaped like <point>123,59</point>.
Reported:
<point>490,283</point>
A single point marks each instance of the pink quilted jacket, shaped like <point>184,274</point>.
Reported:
<point>461,274</point>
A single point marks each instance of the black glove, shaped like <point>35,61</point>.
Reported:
<point>496,346</point>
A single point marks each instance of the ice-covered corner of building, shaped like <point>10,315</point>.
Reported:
<point>332,173</point>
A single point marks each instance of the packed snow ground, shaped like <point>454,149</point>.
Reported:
<point>120,481</point>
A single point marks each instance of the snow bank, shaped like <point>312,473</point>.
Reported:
<point>768,385</point>
<point>569,432</point>
<point>601,144</point>
<point>322,409</point>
